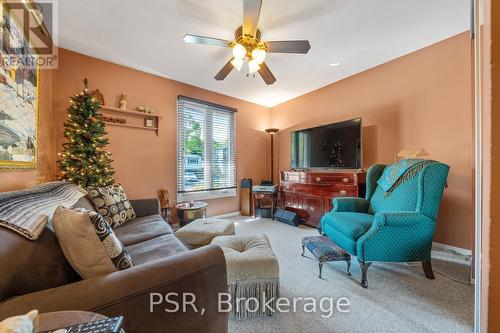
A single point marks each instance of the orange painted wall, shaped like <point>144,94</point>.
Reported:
<point>420,100</point>
<point>143,161</point>
<point>15,180</point>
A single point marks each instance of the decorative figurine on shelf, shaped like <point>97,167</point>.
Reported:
<point>123,102</point>
<point>145,109</point>
<point>166,211</point>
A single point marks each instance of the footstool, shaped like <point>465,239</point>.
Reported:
<point>200,232</point>
<point>252,274</point>
<point>323,249</point>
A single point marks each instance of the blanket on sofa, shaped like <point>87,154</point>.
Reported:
<point>27,211</point>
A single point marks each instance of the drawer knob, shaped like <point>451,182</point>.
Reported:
<point>343,192</point>
<point>345,180</point>
<point>311,208</point>
<point>318,179</point>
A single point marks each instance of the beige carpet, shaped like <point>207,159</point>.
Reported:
<point>399,298</point>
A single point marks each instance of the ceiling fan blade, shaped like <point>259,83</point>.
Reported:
<point>251,13</point>
<point>194,39</point>
<point>288,46</point>
<point>228,67</point>
<point>266,74</point>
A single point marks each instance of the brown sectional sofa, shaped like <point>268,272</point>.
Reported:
<point>36,275</point>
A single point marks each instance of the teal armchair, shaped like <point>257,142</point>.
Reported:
<point>395,226</point>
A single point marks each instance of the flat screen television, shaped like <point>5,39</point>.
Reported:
<point>335,145</point>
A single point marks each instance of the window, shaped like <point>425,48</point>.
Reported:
<point>206,150</point>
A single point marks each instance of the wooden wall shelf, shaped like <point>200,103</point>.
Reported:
<point>131,113</point>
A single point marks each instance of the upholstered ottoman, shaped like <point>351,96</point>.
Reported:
<point>252,274</point>
<point>323,249</point>
<point>200,232</point>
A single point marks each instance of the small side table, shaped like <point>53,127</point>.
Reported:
<point>166,214</point>
<point>264,201</point>
<point>189,211</point>
<point>54,320</point>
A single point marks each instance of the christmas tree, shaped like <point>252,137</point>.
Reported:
<point>336,156</point>
<point>85,161</point>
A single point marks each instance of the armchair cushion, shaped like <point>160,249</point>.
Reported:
<point>350,225</point>
<point>358,205</point>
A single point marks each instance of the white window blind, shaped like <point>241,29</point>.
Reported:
<point>206,150</point>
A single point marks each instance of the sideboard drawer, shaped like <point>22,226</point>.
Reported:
<point>322,178</point>
<point>345,191</point>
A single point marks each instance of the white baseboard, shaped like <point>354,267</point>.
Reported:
<point>449,248</point>
<point>451,253</point>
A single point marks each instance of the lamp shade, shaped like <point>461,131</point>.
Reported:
<point>259,55</point>
<point>253,66</point>
<point>237,63</point>
<point>272,130</point>
<point>411,153</point>
<point>239,51</point>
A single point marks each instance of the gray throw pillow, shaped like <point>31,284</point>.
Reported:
<point>88,242</point>
<point>112,203</point>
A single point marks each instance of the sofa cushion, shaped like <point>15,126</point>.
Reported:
<point>142,229</point>
<point>89,243</point>
<point>156,248</point>
<point>350,225</point>
<point>112,203</point>
<point>23,262</point>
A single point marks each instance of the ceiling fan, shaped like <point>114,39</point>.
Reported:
<point>247,44</point>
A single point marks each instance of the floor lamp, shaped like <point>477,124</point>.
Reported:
<point>272,131</point>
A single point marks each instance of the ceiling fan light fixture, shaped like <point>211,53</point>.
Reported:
<point>259,55</point>
<point>239,51</point>
<point>253,66</point>
<point>237,63</point>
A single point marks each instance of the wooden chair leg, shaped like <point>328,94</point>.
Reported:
<point>320,269</point>
<point>427,266</point>
<point>364,270</point>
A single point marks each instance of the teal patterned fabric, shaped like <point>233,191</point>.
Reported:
<point>359,205</point>
<point>395,228</point>
<point>350,224</point>
<point>395,171</point>
<point>402,198</point>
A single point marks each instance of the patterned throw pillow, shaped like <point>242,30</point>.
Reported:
<point>88,242</point>
<point>112,203</point>
<point>119,256</point>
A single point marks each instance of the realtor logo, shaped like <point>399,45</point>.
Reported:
<point>27,32</point>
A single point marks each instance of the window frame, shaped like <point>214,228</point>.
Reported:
<point>208,137</point>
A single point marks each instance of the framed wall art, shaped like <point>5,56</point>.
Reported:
<point>19,86</point>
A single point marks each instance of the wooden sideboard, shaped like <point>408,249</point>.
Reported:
<point>310,193</point>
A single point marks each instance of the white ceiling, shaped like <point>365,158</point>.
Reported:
<point>359,34</point>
